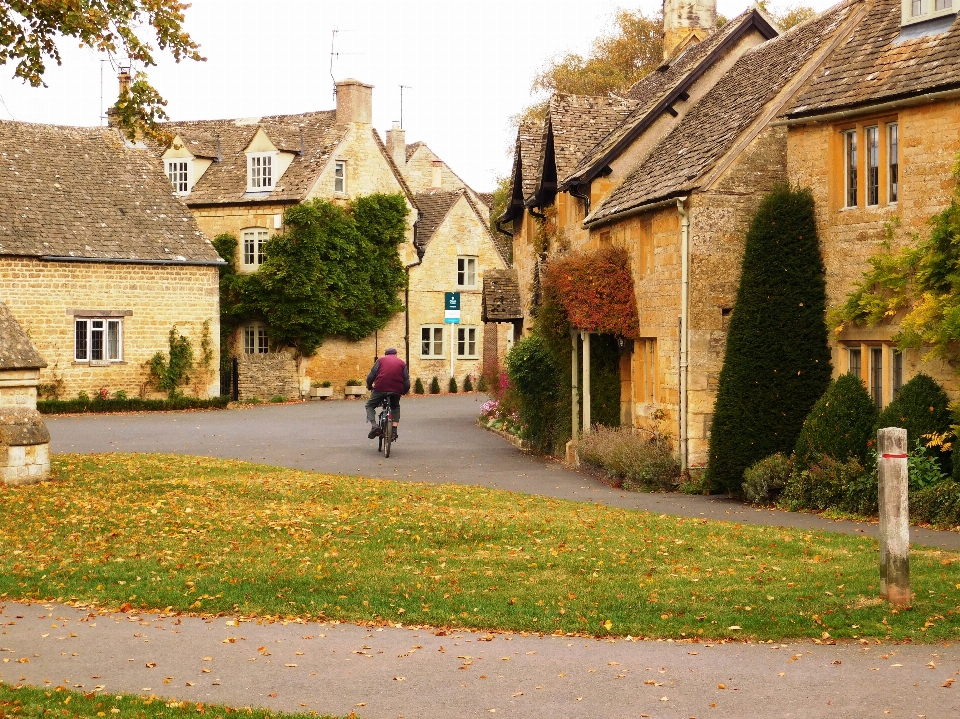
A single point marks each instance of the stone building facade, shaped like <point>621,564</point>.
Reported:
<point>101,260</point>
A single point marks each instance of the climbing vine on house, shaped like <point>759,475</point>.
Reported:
<point>922,280</point>
<point>333,271</point>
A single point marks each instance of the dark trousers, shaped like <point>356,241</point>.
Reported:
<point>376,398</point>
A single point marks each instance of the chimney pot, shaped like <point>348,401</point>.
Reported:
<point>123,79</point>
<point>437,179</point>
<point>354,102</point>
<point>397,145</point>
<point>685,18</point>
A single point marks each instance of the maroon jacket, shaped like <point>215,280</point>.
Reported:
<point>389,374</point>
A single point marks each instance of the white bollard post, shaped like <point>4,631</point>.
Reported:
<point>894,515</point>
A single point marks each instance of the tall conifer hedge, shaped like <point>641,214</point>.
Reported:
<point>777,362</point>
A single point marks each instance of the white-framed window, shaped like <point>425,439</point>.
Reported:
<point>850,168</point>
<point>853,362</point>
<point>260,172</point>
<point>179,173</point>
<point>340,177</point>
<point>467,338</point>
<point>252,241</point>
<point>467,272</point>
<point>893,162</point>
<point>912,11</point>
<point>876,376</point>
<point>431,341</point>
<point>97,339</point>
<point>255,340</point>
<point>896,380</point>
<point>872,142</point>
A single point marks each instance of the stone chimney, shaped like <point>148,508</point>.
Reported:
<point>124,79</point>
<point>397,145</point>
<point>685,18</point>
<point>436,180</point>
<point>354,102</point>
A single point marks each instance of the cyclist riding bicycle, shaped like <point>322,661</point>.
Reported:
<point>389,377</point>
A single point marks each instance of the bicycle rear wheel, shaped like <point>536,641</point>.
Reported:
<point>387,433</point>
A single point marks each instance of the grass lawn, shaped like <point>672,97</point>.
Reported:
<point>22,701</point>
<point>203,535</point>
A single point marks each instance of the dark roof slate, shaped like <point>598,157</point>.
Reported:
<point>528,152</point>
<point>873,65</point>
<point>712,126</point>
<point>434,206</point>
<point>16,349</point>
<point>85,193</point>
<point>579,122</point>
<point>501,296</point>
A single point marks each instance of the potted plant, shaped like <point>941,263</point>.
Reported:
<point>321,390</point>
<point>354,388</point>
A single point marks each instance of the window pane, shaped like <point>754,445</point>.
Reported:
<point>249,339</point>
<point>80,344</point>
<point>944,4</point>
<point>96,339</point>
<point>339,177</point>
<point>850,138</point>
<point>917,7</point>
<point>893,161</point>
<point>263,345</point>
<point>461,350</point>
<point>438,341</point>
<point>854,362</point>
<point>873,165</point>
<point>249,249</point>
<point>471,272</point>
<point>268,172</point>
<point>461,274</point>
<point>425,341</point>
<point>261,238</point>
<point>897,379</point>
<point>876,376</point>
<point>113,340</point>
<point>472,342</point>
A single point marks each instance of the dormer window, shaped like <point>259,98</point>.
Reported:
<point>914,11</point>
<point>179,173</point>
<point>260,175</point>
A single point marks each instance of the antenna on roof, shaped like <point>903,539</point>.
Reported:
<point>402,88</point>
<point>333,39</point>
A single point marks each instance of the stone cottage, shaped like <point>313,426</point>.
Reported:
<point>24,439</point>
<point>99,259</point>
<point>876,132</point>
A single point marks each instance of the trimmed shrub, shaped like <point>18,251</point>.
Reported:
<point>452,386</point>
<point>638,462</point>
<point>841,424</point>
<point>777,361</point>
<point>467,384</point>
<point>83,405</point>
<point>435,386</point>
<point>532,373</point>
<point>418,386</point>
<point>938,505</point>
<point>764,481</point>
<point>482,384</point>
<point>828,483</point>
<point>921,408</point>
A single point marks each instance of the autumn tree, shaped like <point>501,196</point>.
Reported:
<point>30,32</point>
<point>786,16</point>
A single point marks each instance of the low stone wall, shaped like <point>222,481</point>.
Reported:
<point>267,375</point>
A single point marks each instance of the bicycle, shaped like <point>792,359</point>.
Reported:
<point>385,422</point>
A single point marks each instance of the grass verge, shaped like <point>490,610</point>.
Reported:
<point>23,701</point>
<point>203,535</point>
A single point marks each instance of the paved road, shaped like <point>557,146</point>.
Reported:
<point>387,673</point>
<point>439,442</point>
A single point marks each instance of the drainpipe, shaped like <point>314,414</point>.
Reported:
<point>684,331</point>
<point>406,296</point>
<point>498,224</point>
<point>574,389</point>
<point>584,198</point>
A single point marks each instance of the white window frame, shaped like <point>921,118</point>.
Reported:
<point>433,342</point>
<point>254,339</point>
<point>180,174</point>
<point>96,334</point>
<point>261,171</point>
<point>257,236</point>
<point>340,177</point>
<point>893,162</point>
<point>871,156</point>
<point>463,341</point>
<point>914,11</point>
<point>467,269</point>
<point>850,143</point>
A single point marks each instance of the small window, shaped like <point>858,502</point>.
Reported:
<point>896,379</point>
<point>872,136</point>
<point>260,172</point>
<point>912,11</point>
<point>467,342</point>
<point>917,8</point>
<point>876,376</point>
<point>340,177</point>
<point>853,362</point>
<point>943,4</point>
<point>466,272</point>
<point>850,167</point>
<point>179,173</point>
<point>893,162</point>
<point>253,242</point>
<point>98,340</point>
<point>255,340</point>
<point>431,341</point>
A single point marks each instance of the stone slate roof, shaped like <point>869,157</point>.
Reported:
<point>877,64</point>
<point>579,122</point>
<point>434,207</point>
<point>486,198</point>
<point>647,93</point>
<point>501,296</point>
<point>16,349</point>
<point>225,182</point>
<point>412,148</point>
<point>528,153</point>
<point>710,128</point>
<point>84,193</point>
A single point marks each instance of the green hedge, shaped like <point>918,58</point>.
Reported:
<point>133,404</point>
<point>939,505</point>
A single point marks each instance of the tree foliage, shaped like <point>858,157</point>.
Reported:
<point>922,408</point>
<point>922,280</point>
<point>30,32</point>
<point>777,362</point>
<point>840,424</point>
<point>787,15</point>
<point>170,372</point>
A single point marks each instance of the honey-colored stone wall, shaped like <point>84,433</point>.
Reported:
<point>265,376</point>
<point>929,142</point>
<point>24,439</point>
<point>42,296</point>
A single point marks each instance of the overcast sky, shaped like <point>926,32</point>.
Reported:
<point>468,66</point>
